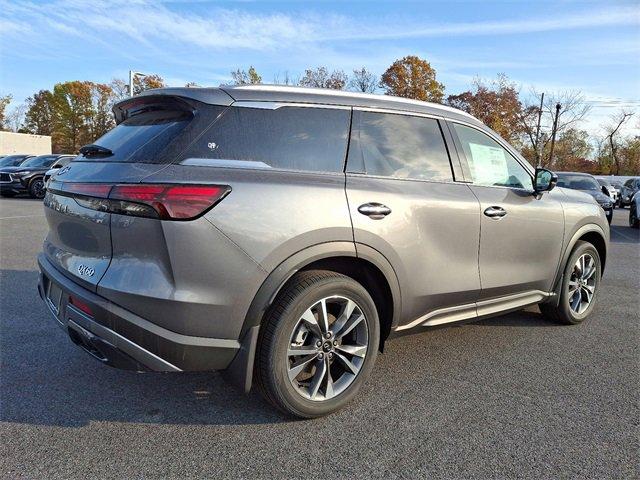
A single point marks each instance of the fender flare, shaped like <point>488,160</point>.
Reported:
<point>588,228</point>
<point>240,371</point>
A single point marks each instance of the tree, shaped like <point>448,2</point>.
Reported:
<point>412,77</point>
<point>321,78</point>
<point>363,81</point>
<point>573,110</point>
<point>571,151</point>
<point>141,83</point>
<point>285,79</point>
<point>191,85</point>
<point>617,121</point>
<point>250,77</point>
<point>40,113</point>
<point>14,120</point>
<point>100,118</point>
<point>72,106</point>
<point>4,102</point>
<point>496,105</point>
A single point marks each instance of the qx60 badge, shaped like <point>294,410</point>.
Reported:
<point>85,271</point>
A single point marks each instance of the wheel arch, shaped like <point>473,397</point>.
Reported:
<point>367,266</point>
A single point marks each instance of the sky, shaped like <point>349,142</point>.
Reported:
<point>593,46</point>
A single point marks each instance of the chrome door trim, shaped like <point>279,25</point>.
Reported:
<point>478,309</point>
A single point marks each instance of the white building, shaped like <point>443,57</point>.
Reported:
<point>17,143</point>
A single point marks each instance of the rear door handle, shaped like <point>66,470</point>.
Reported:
<point>375,211</point>
<point>495,212</point>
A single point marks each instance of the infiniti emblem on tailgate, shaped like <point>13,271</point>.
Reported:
<point>85,271</point>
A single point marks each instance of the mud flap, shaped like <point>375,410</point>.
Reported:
<point>240,372</point>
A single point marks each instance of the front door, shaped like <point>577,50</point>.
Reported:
<point>521,234</point>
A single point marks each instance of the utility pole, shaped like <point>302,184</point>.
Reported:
<point>538,155</point>
<point>132,76</point>
<point>553,133</point>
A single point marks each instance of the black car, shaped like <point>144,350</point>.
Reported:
<point>630,187</point>
<point>588,184</point>
<point>27,176</point>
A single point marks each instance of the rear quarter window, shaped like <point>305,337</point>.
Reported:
<point>289,138</point>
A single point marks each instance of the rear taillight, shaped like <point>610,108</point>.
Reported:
<point>165,202</point>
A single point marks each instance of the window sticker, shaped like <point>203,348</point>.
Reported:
<point>489,164</point>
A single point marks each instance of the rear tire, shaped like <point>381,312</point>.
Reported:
<point>580,285</point>
<point>633,217</point>
<point>37,188</point>
<point>294,333</point>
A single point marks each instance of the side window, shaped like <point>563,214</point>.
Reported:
<point>399,146</point>
<point>490,164</point>
<point>291,138</point>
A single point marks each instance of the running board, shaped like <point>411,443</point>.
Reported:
<point>483,308</point>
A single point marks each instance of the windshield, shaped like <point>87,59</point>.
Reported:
<point>41,161</point>
<point>577,182</point>
<point>12,161</point>
<point>602,182</point>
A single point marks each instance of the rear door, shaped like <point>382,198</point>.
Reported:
<point>405,203</point>
<point>521,234</point>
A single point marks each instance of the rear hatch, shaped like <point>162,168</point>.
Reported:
<point>151,132</point>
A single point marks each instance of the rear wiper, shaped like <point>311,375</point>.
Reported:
<point>93,149</point>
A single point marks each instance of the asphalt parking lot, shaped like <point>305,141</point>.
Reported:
<point>513,396</point>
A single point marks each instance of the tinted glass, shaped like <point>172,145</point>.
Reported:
<point>291,138</point>
<point>577,182</point>
<point>490,164</point>
<point>12,160</point>
<point>40,161</point>
<point>399,146</point>
<point>144,137</point>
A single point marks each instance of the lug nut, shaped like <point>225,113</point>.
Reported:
<point>328,334</point>
<point>335,342</point>
<point>318,344</point>
<point>321,356</point>
<point>330,354</point>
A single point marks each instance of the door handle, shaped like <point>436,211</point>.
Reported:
<point>375,211</point>
<point>495,212</point>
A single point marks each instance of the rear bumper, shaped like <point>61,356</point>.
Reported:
<point>122,339</point>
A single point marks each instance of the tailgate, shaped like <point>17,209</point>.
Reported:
<point>79,239</point>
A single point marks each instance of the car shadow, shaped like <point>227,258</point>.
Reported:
<point>624,234</point>
<point>48,380</point>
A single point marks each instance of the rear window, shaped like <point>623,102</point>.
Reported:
<point>143,138</point>
<point>399,146</point>
<point>289,138</point>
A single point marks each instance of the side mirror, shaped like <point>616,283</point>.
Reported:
<point>605,190</point>
<point>545,180</point>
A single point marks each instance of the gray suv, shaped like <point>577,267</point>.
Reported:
<point>282,235</point>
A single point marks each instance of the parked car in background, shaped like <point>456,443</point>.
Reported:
<point>63,161</point>
<point>13,161</point>
<point>629,188</point>
<point>588,184</point>
<point>634,209</point>
<point>282,234</point>
<point>27,177</point>
<point>612,192</point>
<point>617,185</point>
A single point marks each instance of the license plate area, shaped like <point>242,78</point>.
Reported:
<point>54,298</point>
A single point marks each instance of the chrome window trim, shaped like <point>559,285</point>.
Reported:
<point>399,112</point>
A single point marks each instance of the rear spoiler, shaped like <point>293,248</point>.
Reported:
<point>179,97</point>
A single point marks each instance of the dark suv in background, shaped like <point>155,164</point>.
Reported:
<point>27,176</point>
<point>283,234</point>
<point>628,190</point>
<point>588,184</point>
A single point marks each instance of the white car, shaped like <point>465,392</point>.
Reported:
<point>611,190</point>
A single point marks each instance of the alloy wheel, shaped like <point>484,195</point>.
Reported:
<point>582,283</point>
<point>327,348</point>
<point>38,189</point>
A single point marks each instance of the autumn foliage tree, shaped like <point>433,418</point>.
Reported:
<point>4,102</point>
<point>412,77</point>
<point>496,104</point>
<point>242,77</point>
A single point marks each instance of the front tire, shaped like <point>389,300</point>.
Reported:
<point>580,285</point>
<point>37,188</point>
<point>317,344</point>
